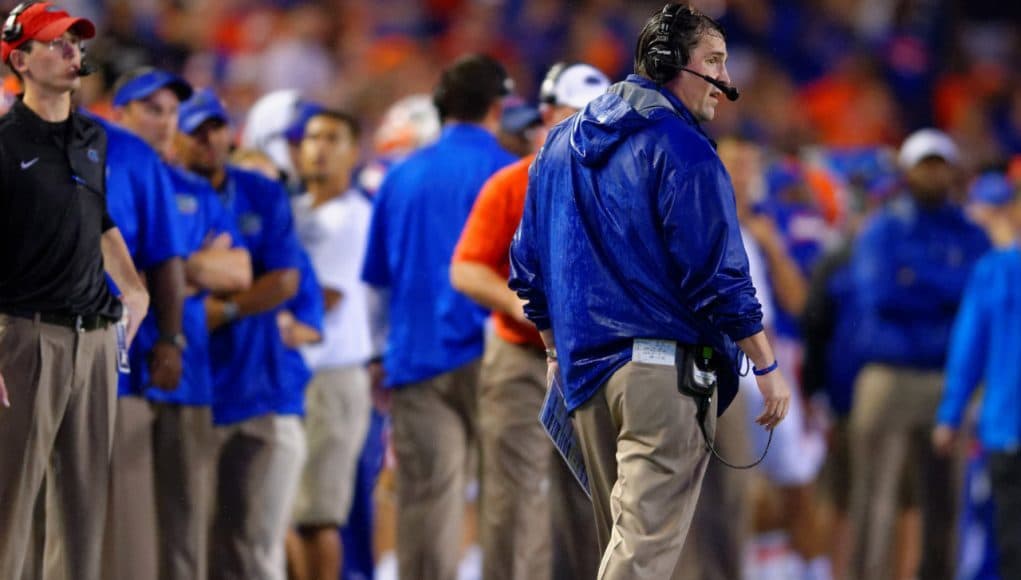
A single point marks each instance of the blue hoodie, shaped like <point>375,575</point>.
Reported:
<point>630,231</point>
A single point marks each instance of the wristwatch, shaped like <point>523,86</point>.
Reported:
<point>177,340</point>
<point>231,311</point>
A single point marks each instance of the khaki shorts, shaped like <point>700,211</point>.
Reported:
<point>338,405</point>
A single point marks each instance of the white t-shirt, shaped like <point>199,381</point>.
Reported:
<point>760,277</point>
<point>335,235</point>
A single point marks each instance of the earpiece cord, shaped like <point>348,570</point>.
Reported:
<point>703,406</point>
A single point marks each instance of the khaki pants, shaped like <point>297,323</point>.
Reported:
<point>433,422</point>
<point>185,453</point>
<point>339,406</point>
<point>714,549</point>
<point>645,457</point>
<point>517,458</point>
<point>891,423</point>
<point>63,387</point>
<point>257,477</point>
<point>129,541</point>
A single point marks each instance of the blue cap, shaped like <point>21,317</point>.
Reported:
<point>147,82</point>
<point>991,188</point>
<point>201,107</point>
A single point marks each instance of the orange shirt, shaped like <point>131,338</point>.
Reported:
<point>487,236</point>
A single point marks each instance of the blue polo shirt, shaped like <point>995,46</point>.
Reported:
<point>200,215</point>
<point>140,199</point>
<point>420,210</point>
<point>248,355</point>
<point>308,307</point>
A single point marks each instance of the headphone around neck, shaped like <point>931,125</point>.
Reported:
<point>12,28</point>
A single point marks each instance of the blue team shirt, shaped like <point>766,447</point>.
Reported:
<point>248,356</point>
<point>200,215</point>
<point>140,199</point>
<point>420,210</point>
<point>308,307</point>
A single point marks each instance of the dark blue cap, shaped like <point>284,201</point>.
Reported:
<point>148,82</point>
<point>201,107</point>
<point>991,188</point>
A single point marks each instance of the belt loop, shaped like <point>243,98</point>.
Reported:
<point>78,324</point>
<point>37,318</point>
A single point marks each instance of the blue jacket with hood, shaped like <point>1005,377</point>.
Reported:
<point>630,231</point>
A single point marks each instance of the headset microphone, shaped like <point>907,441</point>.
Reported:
<point>731,92</point>
<point>86,69</point>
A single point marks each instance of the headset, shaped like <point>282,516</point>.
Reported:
<point>548,88</point>
<point>13,28</point>
<point>663,57</point>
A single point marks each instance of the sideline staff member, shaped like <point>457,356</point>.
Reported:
<point>629,251</point>
<point>58,346</point>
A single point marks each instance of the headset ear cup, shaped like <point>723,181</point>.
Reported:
<point>663,61</point>
<point>547,90</point>
<point>12,28</point>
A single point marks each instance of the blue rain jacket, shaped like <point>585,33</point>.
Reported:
<point>910,266</point>
<point>630,231</point>
<point>986,343</point>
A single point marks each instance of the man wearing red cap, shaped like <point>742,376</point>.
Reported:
<point>58,333</point>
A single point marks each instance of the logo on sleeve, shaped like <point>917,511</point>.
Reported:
<point>93,155</point>
<point>29,163</point>
<point>250,224</point>
<point>186,204</point>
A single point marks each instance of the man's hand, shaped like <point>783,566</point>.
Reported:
<point>165,366</point>
<point>3,393</point>
<point>137,305</point>
<point>295,333</point>
<point>944,438</point>
<point>777,397</point>
<point>220,242</point>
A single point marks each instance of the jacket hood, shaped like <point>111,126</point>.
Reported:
<point>626,108</point>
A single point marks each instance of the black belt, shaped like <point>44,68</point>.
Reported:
<point>78,322</point>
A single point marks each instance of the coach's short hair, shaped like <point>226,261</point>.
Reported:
<point>469,87</point>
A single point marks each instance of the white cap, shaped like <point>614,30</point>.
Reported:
<point>927,143</point>
<point>267,121</point>
<point>573,86</point>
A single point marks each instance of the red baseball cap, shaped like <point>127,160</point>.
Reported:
<point>44,22</point>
